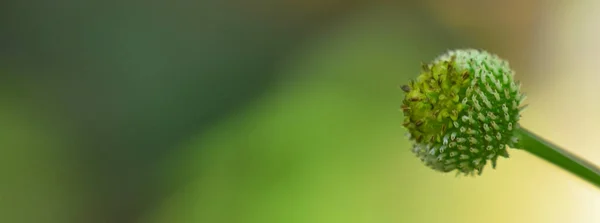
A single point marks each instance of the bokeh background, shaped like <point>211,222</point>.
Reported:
<point>263,111</point>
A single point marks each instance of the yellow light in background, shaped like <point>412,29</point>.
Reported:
<point>568,58</point>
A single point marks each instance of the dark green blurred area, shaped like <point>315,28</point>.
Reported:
<point>210,111</point>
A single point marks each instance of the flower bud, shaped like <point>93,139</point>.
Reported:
<point>462,111</point>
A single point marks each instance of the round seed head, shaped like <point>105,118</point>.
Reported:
<point>462,111</point>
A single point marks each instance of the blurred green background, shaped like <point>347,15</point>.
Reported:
<point>266,111</point>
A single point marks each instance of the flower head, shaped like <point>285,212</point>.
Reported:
<point>462,111</point>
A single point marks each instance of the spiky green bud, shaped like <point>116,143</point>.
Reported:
<point>462,111</point>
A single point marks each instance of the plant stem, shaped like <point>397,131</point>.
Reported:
<point>559,157</point>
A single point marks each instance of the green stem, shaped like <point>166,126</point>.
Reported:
<point>559,157</point>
